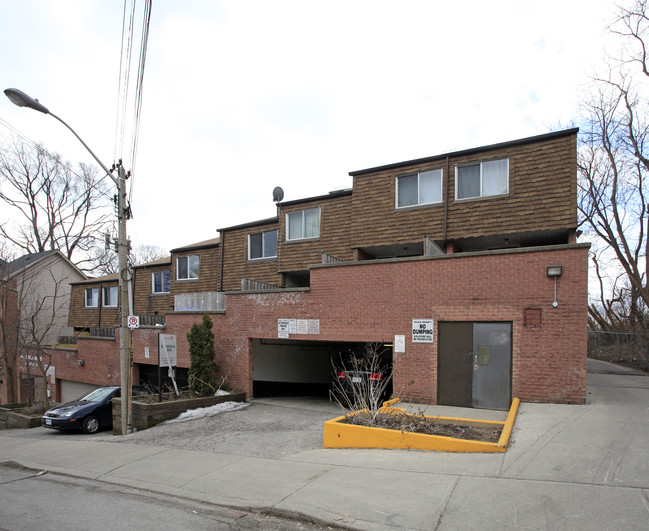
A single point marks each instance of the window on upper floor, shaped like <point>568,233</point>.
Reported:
<point>161,281</point>
<point>187,267</point>
<point>109,297</point>
<point>262,245</point>
<point>482,179</point>
<point>92,297</point>
<point>303,224</point>
<point>422,188</point>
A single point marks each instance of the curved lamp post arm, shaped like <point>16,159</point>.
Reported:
<point>18,97</point>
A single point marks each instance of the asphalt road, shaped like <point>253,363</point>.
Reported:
<point>38,500</point>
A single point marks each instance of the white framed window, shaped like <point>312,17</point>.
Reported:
<point>422,188</point>
<point>161,281</point>
<point>92,297</point>
<point>482,179</point>
<point>109,296</point>
<point>303,224</point>
<point>262,245</point>
<point>187,267</point>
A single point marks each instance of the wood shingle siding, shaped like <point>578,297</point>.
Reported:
<point>334,239</point>
<point>82,317</point>
<point>235,257</point>
<point>209,271</point>
<point>145,302</point>
<point>542,196</point>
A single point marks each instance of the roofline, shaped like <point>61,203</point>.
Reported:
<point>251,224</point>
<point>197,246</point>
<point>154,263</point>
<point>46,255</point>
<point>330,195</point>
<point>501,145</point>
<point>106,279</point>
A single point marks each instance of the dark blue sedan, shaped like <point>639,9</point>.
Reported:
<point>90,413</point>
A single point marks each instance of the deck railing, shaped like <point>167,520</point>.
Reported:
<point>209,301</point>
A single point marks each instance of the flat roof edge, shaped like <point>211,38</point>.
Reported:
<point>500,145</point>
<point>518,250</point>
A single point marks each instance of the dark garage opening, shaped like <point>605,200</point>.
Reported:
<point>298,368</point>
<point>149,377</point>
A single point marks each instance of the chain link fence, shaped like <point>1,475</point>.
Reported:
<point>625,348</point>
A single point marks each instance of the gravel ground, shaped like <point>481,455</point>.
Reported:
<point>272,428</point>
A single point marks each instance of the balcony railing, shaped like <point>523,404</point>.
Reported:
<point>209,301</point>
<point>152,320</point>
<point>256,285</point>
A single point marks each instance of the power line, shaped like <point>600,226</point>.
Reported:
<point>45,152</point>
<point>140,84</point>
<point>124,76</point>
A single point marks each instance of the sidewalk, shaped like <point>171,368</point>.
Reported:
<point>567,467</point>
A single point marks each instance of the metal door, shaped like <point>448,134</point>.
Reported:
<point>492,365</point>
<point>474,364</point>
<point>455,364</point>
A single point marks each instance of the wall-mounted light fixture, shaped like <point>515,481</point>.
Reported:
<point>555,272</point>
<point>81,362</point>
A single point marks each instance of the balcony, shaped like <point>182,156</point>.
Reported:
<point>209,301</point>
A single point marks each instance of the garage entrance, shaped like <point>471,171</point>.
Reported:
<point>297,368</point>
<point>474,365</point>
<point>73,390</point>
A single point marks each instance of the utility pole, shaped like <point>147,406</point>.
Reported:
<point>124,331</point>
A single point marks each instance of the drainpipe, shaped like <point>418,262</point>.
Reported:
<point>446,203</point>
<point>222,243</point>
<point>100,302</point>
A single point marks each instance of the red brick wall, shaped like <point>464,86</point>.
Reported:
<point>100,359</point>
<point>373,301</point>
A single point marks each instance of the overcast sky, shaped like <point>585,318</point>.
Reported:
<point>242,96</point>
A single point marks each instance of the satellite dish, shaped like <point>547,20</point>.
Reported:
<point>278,194</point>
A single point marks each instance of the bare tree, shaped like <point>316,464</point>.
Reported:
<point>54,206</point>
<point>105,260</point>
<point>613,162</point>
<point>143,254</point>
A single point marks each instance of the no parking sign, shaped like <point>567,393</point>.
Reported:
<point>133,321</point>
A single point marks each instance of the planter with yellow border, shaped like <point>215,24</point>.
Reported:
<point>338,434</point>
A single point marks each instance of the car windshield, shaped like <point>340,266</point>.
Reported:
<point>98,395</point>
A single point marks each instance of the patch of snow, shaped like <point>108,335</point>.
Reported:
<point>203,412</point>
<point>221,392</point>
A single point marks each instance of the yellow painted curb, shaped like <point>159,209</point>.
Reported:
<point>341,435</point>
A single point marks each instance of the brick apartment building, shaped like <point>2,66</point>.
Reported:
<point>478,247</point>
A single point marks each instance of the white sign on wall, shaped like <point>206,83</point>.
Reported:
<point>399,344</point>
<point>283,328</point>
<point>422,331</point>
<point>302,326</point>
<point>288,327</point>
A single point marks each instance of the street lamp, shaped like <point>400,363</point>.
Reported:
<point>21,99</point>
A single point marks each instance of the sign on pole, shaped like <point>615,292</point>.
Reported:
<point>167,357</point>
<point>133,321</point>
<point>167,346</point>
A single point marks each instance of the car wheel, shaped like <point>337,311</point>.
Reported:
<point>90,425</point>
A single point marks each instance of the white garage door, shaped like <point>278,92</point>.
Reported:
<point>73,390</point>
